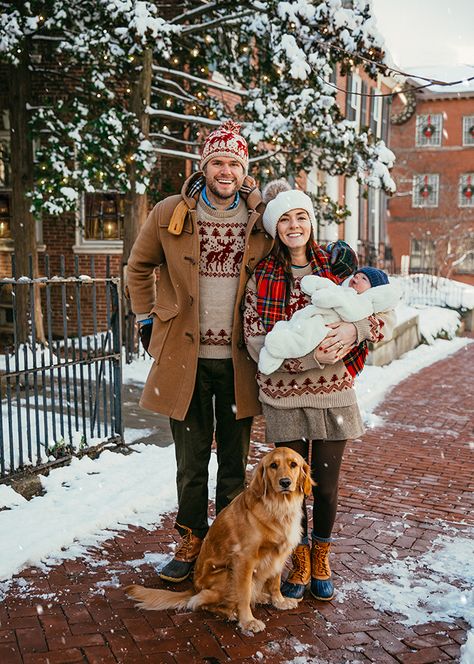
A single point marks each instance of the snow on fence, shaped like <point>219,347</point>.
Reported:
<point>435,291</point>
<point>61,395</point>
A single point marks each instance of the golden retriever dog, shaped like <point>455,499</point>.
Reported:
<point>244,552</point>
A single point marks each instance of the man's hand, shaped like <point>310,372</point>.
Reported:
<point>145,328</point>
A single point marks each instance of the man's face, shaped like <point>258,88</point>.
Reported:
<point>224,177</point>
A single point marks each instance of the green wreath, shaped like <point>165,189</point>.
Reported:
<point>428,130</point>
<point>468,191</point>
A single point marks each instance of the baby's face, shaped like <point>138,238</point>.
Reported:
<point>360,282</point>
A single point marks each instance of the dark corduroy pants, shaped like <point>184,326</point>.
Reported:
<point>212,411</point>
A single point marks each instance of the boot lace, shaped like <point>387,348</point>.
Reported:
<point>185,545</point>
<point>321,561</point>
<point>301,571</point>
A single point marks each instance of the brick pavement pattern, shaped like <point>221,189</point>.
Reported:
<point>400,486</point>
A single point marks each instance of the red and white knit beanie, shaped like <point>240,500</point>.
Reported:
<point>226,141</point>
<point>285,201</point>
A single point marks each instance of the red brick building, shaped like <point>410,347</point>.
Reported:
<point>431,217</point>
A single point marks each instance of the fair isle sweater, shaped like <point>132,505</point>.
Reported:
<point>222,243</point>
<point>304,382</point>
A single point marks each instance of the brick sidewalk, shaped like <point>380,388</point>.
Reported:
<point>400,487</point>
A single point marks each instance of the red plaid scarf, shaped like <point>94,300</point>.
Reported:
<point>271,298</point>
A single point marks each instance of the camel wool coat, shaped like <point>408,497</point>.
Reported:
<point>173,300</point>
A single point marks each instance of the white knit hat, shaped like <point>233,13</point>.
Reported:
<point>283,203</point>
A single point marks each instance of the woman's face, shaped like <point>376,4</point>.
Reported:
<point>294,228</point>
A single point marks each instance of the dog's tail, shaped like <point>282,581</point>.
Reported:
<point>158,600</point>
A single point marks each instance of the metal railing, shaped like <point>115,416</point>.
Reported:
<point>431,290</point>
<point>61,394</point>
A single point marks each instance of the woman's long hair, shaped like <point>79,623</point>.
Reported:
<point>282,255</point>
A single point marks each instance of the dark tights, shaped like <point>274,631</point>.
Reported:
<point>326,458</point>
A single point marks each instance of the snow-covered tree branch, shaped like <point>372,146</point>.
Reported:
<point>266,63</point>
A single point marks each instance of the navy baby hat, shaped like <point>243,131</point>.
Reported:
<point>375,276</point>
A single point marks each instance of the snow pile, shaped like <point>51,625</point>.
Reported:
<point>433,322</point>
<point>103,494</point>
<point>9,497</point>
<point>437,586</point>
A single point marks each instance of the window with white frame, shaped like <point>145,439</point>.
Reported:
<point>374,119</point>
<point>466,190</point>
<point>429,129</point>
<point>468,130</point>
<point>422,255</point>
<point>353,98</point>
<point>425,190</point>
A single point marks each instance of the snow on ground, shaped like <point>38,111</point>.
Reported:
<point>436,586</point>
<point>114,490</point>
<point>433,321</point>
<point>104,495</point>
<point>373,383</point>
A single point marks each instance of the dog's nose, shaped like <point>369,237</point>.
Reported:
<point>285,482</point>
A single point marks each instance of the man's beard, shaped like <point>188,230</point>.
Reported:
<point>218,194</point>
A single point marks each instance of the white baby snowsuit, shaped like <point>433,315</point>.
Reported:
<point>307,327</point>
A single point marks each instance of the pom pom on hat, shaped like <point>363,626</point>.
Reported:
<point>374,275</point>
<point>273,188</point>
<point>226,141</point>
<point>285,201</point>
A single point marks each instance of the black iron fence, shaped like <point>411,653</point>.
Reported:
<point>60,392</point>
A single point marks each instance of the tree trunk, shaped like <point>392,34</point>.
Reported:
<point>23,223</point>
<point>136,205</point>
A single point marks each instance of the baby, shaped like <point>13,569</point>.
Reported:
<point>369,292</point>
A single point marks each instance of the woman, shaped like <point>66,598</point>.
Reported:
<point>309,403</point>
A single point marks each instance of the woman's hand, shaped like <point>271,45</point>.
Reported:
<point>337,343</point>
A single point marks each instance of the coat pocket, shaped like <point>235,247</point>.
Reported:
<point>163,319</point>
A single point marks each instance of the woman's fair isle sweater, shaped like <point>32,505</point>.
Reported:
<point>304,382</point>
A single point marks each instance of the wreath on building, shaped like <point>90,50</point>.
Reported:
<point>470,131</point>
<point>428,130</point>
<point>426,190</point>
<point>468,191</point>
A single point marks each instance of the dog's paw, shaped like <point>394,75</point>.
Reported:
<point>253,625</point>
<point>285,603</point>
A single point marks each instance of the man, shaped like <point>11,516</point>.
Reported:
<point>206,241</point>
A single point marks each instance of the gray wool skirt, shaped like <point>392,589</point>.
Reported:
<point>285,424</point>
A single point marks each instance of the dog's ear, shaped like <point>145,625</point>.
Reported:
<point>258,483</point>
<point>304,481</point>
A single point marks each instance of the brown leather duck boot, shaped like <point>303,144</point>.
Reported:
<point>322,586</point>
<point>180,567</point>
<point>300,575</point>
